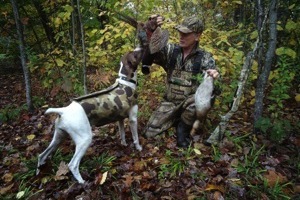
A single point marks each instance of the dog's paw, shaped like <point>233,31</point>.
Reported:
<point>124,143</point>
<point>138,147</point>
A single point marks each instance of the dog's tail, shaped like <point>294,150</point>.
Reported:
<point>59,111</point>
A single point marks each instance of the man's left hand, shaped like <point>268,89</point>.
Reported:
<point>213,73</point>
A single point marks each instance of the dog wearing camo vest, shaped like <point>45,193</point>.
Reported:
<point>113,104</point>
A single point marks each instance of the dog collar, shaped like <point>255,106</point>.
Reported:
<point>126,79</point>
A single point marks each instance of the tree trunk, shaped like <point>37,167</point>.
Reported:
<point>219,131</point>
<point>23,54</point>
<point>265,72</point>
<point>73,32</point>
<point>83,48</point>
<point>44,20</point>
<point>259,21</point>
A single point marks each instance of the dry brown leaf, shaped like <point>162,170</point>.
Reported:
<point>164,161</point>
<point>273,177</point>
<point>139,165</point>
<point>7,177</point>
<point>210,187</point>
<point>218,195</point>
<point>63,169</point>
<point>297,189</point>
<point>4,190</point>
<point>128,180</point>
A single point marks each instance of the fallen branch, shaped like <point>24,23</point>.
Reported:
<point>217,135</point>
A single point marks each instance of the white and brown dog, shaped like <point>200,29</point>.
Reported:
<point>110,105</point>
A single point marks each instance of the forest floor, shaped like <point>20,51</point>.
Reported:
<point>242,166</point>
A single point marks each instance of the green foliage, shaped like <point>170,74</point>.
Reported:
<point>250,166</point>
<point>239,141</point>
<point>216,153</point>
<point>11,112</point>
<point>38,101</point>
<point>175,164</point>
<point>171,167</point>
<point>277,192</point>
<point>281,81</point>
<point>103,162</point>
<point>58,157</point>
<point>25,189</point>
<point>277,129</point>
<point>29,169</point>
<point>24,192</point>
<point>8,50</point>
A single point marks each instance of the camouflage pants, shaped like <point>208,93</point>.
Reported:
<point>167,114</point>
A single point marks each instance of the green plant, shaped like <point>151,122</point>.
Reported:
<point>28,171</point>
<point>174,165</point>
<point>11,112</point>
<point>276,192</point>
<point>38,101</point>
<point>104,162</point>
<point>264,124</point>
<point>250,166</point>
<point>217,153</point>
<point>275,128</point>
<point>25,191</point>
<point>281,82</point>
<point>238,140</point>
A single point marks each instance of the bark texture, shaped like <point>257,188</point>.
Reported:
<point>265,71</point>
<point>23,57</point>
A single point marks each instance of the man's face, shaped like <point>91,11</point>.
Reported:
<point>187,40</point>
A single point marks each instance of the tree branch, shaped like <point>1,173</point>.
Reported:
<point>218,133</point>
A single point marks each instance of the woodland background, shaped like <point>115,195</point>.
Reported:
<point>51,51</point>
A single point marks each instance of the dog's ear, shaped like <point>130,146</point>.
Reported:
<point>131,59</point>
<point>134,58</point>
<point>138,55</point>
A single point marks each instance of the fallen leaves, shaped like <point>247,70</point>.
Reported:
<point>4,190</point>
<point>30,137</point>
<point>210,187</point>
<point>62,171</point>
<point>274,178</point>
<point>128,179</point>
<point>207,174</point>
<point>101,178</point>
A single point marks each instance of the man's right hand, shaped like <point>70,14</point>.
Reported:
<point>159,19</point>
<point>153,22</point>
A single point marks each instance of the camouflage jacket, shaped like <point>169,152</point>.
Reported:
<point>181,73</point>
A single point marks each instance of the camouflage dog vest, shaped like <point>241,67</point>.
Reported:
<point>109,105</point>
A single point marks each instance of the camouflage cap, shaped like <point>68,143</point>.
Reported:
<point>191,24</point>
